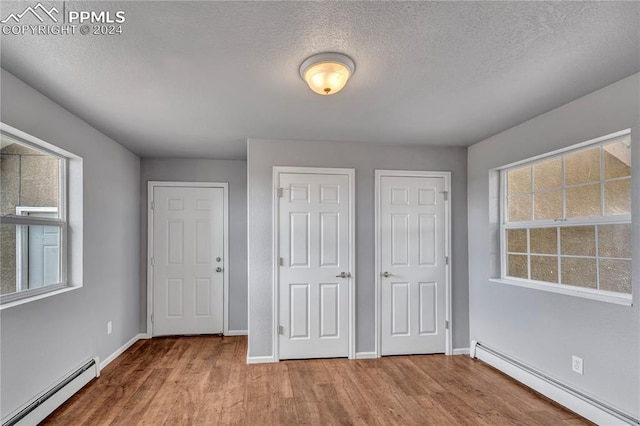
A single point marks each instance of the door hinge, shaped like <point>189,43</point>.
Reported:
<point>446,324</point>
<point>446,260</point>
<point>280,192</point>
<point>446,195</point>
<point>153,205</point>
<point>280,329</point>
<point>153,261</point>
<point>281,261</point>
<point>151,317</point>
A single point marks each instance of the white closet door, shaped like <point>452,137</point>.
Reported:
<point>314,275</point>
<point>412,262</point>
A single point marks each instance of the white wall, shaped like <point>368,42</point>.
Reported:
<point>365,158</point>
<point>41,341</point>
<point>545,329</point>
<point>201,170</point>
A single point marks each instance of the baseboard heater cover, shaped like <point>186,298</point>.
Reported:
<point>575,400</point>
<point>46,403</point>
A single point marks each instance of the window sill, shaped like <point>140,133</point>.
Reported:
<point>608,297</point>
<point>35,297</point>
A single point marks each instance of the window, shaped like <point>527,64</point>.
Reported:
<point>33,219</point>
<point>566,218</point>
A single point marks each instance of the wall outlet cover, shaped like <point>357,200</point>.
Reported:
<point>577,365</point>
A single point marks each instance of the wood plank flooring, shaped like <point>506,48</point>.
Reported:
<point>205,380</point>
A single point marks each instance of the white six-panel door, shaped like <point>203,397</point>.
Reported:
<point>188,260</point>
<point>314,272</point>
<point>412,264</point>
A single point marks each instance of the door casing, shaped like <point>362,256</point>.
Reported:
<point>151,185</point>
<point>277,170</point>
<point>379,174</point>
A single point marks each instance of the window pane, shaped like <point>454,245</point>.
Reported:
<point>519,208</point>
<point>583,201</point>
<point>615,275</point>
<point>617,197</point>
<point>578,241</point>
<point>30,257</point>
<point>28,177</point>
<point>617,159</point>
<point>579,271</point>
<point>519,180</point>
<point>548,174</point>
<point>544,240</point>
<point>582,166</point>
<point>517,240</point>
<point>544,268</point>
<point>614,240</point>
<point>548,205</point>
<point>517,266</point>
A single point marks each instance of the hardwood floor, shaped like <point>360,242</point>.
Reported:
<point>204,380</point>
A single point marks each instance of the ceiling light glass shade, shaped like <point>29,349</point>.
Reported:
<point>327,73</point>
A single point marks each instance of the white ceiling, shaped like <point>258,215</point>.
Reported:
<point>196,79</point>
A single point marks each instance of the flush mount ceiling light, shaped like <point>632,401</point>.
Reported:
<point>327,73</point>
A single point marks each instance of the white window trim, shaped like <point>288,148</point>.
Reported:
<point>22,297</point>
<point>576,291</point>
<point>585,293</point>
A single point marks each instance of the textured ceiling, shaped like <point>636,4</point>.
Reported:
<point>196,79</point>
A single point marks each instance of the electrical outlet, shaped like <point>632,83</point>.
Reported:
<point>576,365</point>
<point>109,327</point>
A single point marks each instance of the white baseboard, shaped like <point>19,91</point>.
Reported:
<point>236,333</point>
<point>366,355</point>
<point>461,351</point>
<point>564,395</point>
<point>122,348</point>
<point>260,359</point>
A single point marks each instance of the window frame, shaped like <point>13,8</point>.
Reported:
<point>9,299</point>
<point>504,225</point>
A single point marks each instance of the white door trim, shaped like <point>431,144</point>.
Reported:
<point>350,173</point>
<point>151,185</point>
<point>447,187</point>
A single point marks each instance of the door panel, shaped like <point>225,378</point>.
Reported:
<point>400,309</point>
<point>412,252</point>
<point>329,310</point>
<point>188,238</point>
<point>428,308</point>
<point>314,247</point>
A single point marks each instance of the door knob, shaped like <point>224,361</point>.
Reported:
<point>387,274</point>
<point>344,275</point>
<point>218,269</point>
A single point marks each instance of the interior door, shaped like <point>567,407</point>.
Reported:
<point>412,264</point>
<point>315,265</point>
<point>188,250</point>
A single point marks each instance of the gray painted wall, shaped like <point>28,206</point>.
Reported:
<point>44,340</point>
<point>545,329</point>
<point>365,158</point>
<point>196,170</point>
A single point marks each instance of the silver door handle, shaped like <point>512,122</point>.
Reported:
<point>387,274</point>
<point>218,269</point>
<point>344,275</point>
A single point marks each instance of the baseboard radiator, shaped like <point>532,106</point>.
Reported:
<point>575,400</point>
<point>46,403</point>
